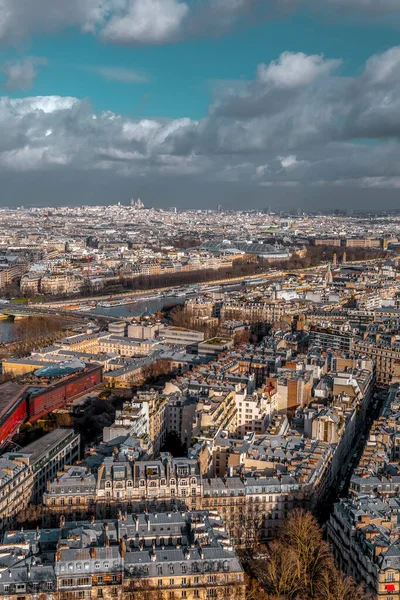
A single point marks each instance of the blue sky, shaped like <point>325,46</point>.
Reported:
<point>182,76</point>
<point>176,95</point>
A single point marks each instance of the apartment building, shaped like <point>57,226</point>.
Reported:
<point>331,339</point>
<point>384,353</point>
<point>162,555</point>
<point>262,313</point>
<point>165,483</point>
<point>16,487</point>
<point>125,346</point>
<point>254,412</point>
<point>364,530</point>
<point>84,342</point>
<point>217,413</point>
<point>49,454</point>
<point>179,335</point>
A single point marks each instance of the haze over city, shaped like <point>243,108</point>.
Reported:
<point>282,102</point>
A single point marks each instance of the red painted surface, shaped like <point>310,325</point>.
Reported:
<point>13,419</point>
<point>59,394</point>
<point>32,406</point>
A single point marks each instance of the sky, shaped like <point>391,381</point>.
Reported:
<point>194,103</point>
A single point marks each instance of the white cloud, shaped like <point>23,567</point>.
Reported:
<point>288,162</point>
<point>385,67</point>
<point>20,74</point>
<point>294,69</point>
<point>145,22</point>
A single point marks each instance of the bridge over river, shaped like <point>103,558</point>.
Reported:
<point>21,311</point>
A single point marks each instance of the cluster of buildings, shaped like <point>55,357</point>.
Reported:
<point>67,251</point>
<point>272,411</point>
<point>364,529</point>
<point>160,555</point>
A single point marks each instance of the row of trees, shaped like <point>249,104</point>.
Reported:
<point>35,332</point>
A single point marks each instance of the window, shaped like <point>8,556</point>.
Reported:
<point>184,594</point>
<point>159,570</point>
<point>389,576</point>
<point>171,581</point>
<point>100,579</point>
<point>212,579</point>
<point>183,566</point>
<point>196,594</point>
<point>171,568</point>
<point>160,583</point>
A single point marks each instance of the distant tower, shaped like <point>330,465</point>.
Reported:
<point>328,276</point>
<point>334,260</point>
<point>219,209</point>
<point>396,262</point>
<point>344,257</point>
<point>138,204</point>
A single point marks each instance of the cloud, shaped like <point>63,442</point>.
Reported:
<point>290,162</point>
<point>138,22</point>
<point>145,21</point>
<point>278,131</point>
<point>20,74</point>
<point>294,69</point>
<point>120,74</point>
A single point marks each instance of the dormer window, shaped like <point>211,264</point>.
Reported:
<point>108,484</point>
